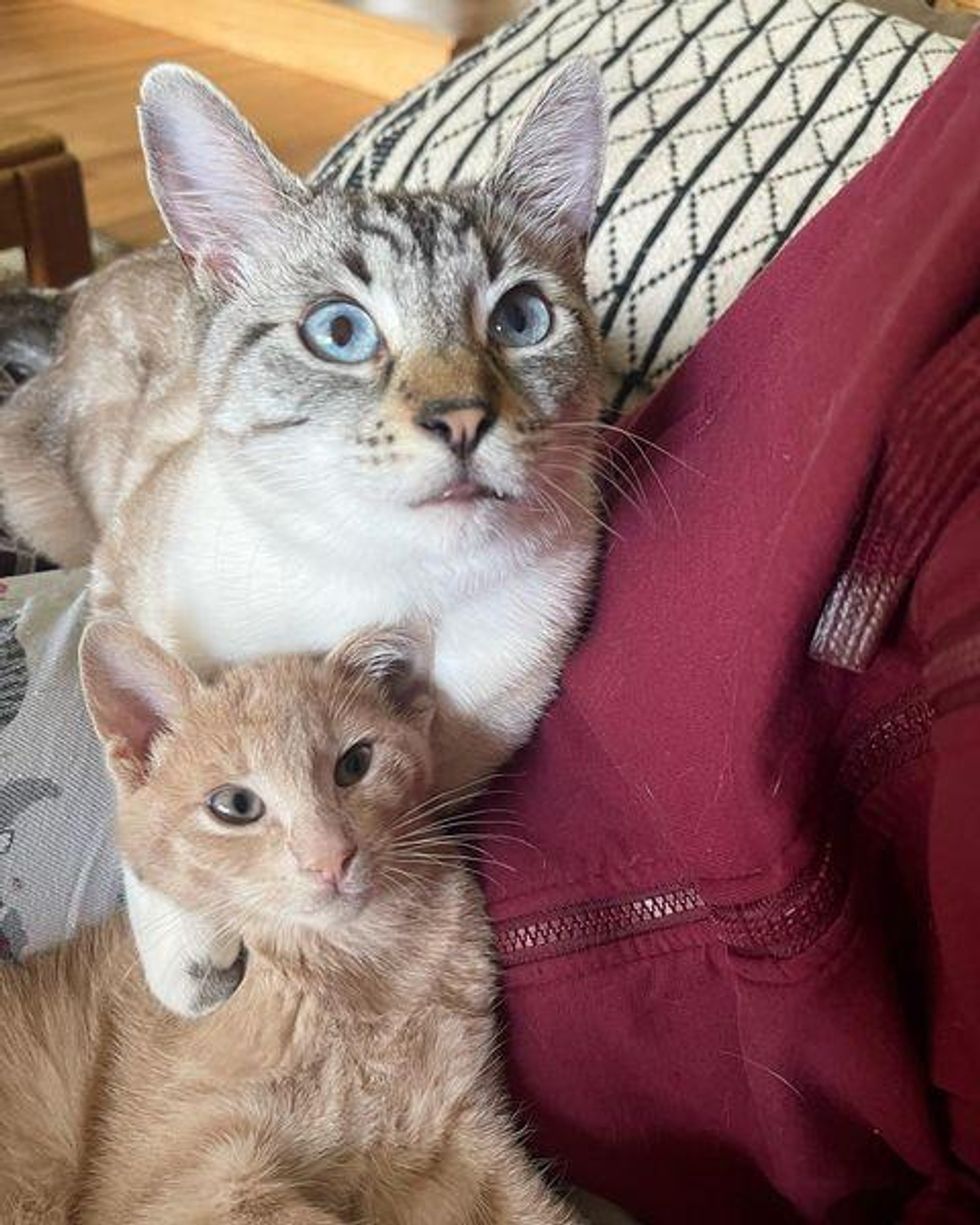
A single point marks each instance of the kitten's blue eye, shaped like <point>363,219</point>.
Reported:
<point>340,332</point>
<point>235,805</point>
<point>521,317</point>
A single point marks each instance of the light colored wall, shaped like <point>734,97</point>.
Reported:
<point>461,18</point>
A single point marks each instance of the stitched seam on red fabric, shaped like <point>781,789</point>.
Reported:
<point>570,929</point>
<point>642,946</point>
<point>780,925</point>
<point>899,735</point>
<point>871,719</point>
<point>581,884</point>
<point>787,923</point>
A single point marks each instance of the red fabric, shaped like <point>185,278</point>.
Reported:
<point>741,943</point>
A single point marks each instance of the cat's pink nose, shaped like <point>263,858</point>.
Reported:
<point>459,423</point>
<point>331,859</point>
<point>335,868</point>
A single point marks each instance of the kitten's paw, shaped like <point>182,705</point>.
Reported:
<point>213,982</point>
<point>189,966</point>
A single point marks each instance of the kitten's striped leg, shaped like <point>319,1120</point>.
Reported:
<point>189,966</point>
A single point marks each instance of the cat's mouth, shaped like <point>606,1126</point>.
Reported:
<point>461,492</point>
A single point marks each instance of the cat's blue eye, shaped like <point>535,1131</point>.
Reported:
<point>340,332</point>
<point>522,317</point>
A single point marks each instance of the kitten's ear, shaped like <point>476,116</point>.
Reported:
<point>399,661</point>
<point>553,166</point>
<point>133,690</point>
<point>221,193</point>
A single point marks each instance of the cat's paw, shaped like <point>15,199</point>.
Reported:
<point>213,983</point>
<point>189,966</point>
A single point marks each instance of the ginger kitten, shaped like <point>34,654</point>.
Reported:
<point>350,1078</point>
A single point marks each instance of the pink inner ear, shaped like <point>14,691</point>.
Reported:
<point>129,717</point>
<point>219,191</point>
<point>143,724</point>
<point>133,690</point>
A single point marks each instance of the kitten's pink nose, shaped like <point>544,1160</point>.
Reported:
<point>331,860</point>
<point>335,868</point>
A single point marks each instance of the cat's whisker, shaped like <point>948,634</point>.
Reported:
<point>637,440</point>
<point>423,811</point>
<point>552,507</point>
<point>476,855</point>
<point>472,816</point>
<point>403,883</point>
<point>609,459</point>
<point>649,464</point>
<point>457,831</point>
<point>559,490</point>
<point>623,492</point>
<point>457,795</point>
<point>481,781</point>
<point>423,817</point>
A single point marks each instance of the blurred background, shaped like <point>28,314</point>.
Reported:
<point>463,18</point>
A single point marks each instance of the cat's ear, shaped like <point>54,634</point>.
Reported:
<point>222,195</point>
<point>399,661</point>
<point>134,691</point>
<point>553,165</point>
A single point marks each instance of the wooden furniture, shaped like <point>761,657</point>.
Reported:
<point>956,6</point>
<point>75,71</point>
<point>42,208</point>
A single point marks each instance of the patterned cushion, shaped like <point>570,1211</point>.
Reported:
<point>58,865</point>
<point>732,122</point>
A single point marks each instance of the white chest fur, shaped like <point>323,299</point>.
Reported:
<point>231,578</point>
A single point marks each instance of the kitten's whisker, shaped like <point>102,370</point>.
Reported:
<point>463,794</point>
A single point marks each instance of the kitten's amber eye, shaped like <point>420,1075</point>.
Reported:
<point>235,805</point>
<point>340,331</point>
<point>522,317</point>
<point>352,765</point>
